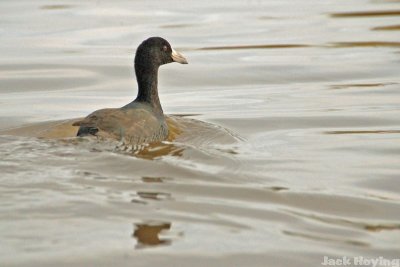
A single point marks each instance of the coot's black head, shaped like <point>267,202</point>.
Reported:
<point>157,51</point>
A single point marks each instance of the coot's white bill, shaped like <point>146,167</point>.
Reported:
<point>178,57</point>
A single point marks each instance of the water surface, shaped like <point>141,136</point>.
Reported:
<point>287,134</point>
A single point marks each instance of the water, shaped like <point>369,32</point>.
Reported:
<point>287,150</point>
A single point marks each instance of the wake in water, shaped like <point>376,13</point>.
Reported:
<point>184,134</point>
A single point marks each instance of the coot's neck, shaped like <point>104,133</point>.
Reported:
<point>147,79</point>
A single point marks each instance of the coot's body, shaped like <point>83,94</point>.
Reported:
<point>142,120</point>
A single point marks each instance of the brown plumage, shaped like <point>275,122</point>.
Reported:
<point>130,125</point>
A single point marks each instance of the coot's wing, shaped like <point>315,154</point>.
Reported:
<point>95,122</point>
<point>133,126</point>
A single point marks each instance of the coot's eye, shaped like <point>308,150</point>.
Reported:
<point>165,48</point>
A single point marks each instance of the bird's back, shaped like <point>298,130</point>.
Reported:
<point>132,125</point>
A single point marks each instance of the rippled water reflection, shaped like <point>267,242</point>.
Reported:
<point>284,145</point>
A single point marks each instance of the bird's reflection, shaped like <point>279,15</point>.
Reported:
<point>157,150</point>
<point>147,234</point>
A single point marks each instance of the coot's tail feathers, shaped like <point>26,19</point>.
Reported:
<point>87,126</point>
<point>87,130</point>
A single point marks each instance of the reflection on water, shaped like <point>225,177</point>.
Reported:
<point>381,227</point>
<point>147,234</point>
<point>51,7</point>
<point>157,150</point>
<point>359,85</point>
<point>366,44</point>
<point>278,188</point>
<point>154,179</point>
<point>387,28</point>
<point>154,195</point>
<point>364,132</point>
<point>270,46</point>
<point>366,14</point>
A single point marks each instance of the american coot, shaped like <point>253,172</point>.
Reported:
<point>142,120</point>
